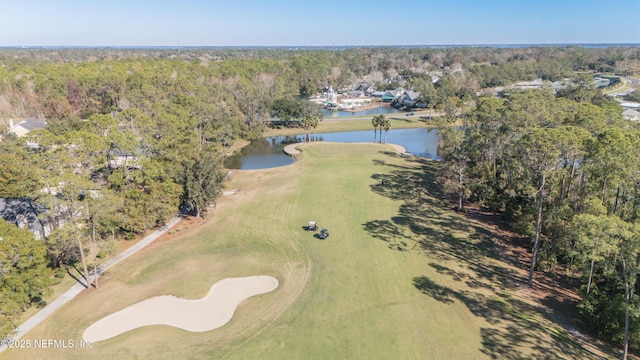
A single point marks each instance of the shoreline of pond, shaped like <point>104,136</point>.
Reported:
<point>292,149</point>
<point>268,152</point>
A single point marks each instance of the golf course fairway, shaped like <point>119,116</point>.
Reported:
<point>402,276</point>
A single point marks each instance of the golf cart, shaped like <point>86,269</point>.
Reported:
<point>313,226</point>
<point>324,233</point>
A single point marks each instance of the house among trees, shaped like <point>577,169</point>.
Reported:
<point>542,84</point>
<point>601,82</point>
<point>363,86</point>
<point>25,126</point>
<point>631,114</point>
<point>118,159</point>
<point>390,95</point>
<point>534,84</point>
<point>410,98</point>
<point>24,214</point>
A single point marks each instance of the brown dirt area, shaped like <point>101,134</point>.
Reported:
<point>188,224</point>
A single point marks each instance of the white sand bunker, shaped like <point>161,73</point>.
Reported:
<point>208,313</point>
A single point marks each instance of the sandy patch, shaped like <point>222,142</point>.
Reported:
<point>291,149</point>
<point>400,149</point>
<point>208,313</point>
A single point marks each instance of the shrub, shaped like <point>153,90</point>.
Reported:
<point>60,273</point>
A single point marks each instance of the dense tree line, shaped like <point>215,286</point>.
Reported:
<point>54,83</point>
<point>563,169</point>
<point>128,143</point>
<point>23,275</point>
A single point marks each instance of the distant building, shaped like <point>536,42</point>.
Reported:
<point>535,84</point>
<point>355,93</point>
<point>629,104</point>
<point>24,214</point>
<point>542,84</point>
<point>25,126</point>
<point>391,95</point>
<point>631,114</point>
<point>410,98</point>
<point>118,159</point>
<point>601,82</point>
<point>332,95</point>
<point>363,86</point>
<point>370,90</point>
<point>558,85</point>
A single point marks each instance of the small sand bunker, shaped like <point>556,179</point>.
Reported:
<point>208,313</point>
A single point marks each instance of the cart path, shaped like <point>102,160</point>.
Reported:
<point>76,289</point>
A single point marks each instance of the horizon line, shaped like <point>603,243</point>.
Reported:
<point>594,44</point>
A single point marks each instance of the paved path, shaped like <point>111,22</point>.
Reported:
<point>76,289</point>
<point>626,87</point>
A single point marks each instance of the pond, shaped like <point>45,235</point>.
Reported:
<point>268,152</point>
<point>380,110</point>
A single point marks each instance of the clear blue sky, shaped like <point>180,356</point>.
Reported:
<point>315,23</point>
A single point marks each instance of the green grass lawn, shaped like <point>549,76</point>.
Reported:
<point>401,276</point>
<point>356,123</point>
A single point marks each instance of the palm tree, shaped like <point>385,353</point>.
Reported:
<point>376,121</point>
<point>386,125</point>
<point>314,122</point>
<point>305,123</point>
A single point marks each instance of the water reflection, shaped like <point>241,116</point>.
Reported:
<point>268,152</point>
<point>380,110</point>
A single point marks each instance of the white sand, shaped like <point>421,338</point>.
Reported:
<point>208,313</point>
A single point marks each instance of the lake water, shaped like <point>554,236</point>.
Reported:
<point>381,110</point>
<point>268,152</point>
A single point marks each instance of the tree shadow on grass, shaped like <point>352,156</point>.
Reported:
<point>512,332</point>
<point>389,232</point>
<point>407,180</point>
<point>429,287</point>
<point>426,223</point>
<point>78,276</point>
<point>401,119</point>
